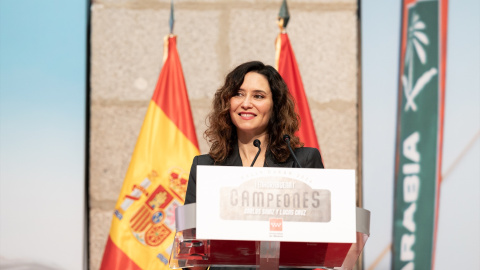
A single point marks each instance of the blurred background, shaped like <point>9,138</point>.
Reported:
<point>76,78</point>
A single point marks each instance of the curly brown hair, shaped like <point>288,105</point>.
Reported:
<point>222,134</point>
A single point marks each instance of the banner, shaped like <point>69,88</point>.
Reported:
<point>143,225</point>
<point>288,69</point>
<point>276,204</point>
<point>419,133</point>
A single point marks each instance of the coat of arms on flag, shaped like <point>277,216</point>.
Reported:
<point>154,219</point>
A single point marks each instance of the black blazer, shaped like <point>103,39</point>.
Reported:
<point>307,157</point>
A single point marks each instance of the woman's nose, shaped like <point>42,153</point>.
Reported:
<point>246,103</point>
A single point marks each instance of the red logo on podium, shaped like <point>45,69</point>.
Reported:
<point>276,224</point>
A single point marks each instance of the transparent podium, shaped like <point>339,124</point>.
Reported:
<point>188,251</point>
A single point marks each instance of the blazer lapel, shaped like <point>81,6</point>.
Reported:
<point>270,161</point>
<point>233,159</point>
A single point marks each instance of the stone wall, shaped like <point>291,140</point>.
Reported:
<point>213,37</point>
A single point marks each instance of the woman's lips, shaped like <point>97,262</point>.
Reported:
<point>247,116</point>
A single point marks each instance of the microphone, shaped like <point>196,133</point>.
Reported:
<point>256,143</point>
<point>286,138</point>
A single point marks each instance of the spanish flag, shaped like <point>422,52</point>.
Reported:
<point>143,225</point>
<point>288,69</point>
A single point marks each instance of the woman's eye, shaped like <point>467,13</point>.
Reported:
<point>258,96</point>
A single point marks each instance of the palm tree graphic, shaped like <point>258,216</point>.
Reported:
<point>415,43</point>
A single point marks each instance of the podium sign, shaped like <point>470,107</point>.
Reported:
<point>275,204</point>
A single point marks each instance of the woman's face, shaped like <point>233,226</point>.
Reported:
<point>252,105</point>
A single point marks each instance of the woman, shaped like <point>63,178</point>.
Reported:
<point>253,104</point>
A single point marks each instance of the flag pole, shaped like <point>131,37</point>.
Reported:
<point>282,21</point>
<point>171,23</point>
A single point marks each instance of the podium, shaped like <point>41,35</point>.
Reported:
<point>189,251</point>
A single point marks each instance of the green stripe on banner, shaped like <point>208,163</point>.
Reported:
<point>418,127</point>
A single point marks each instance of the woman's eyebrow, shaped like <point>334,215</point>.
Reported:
<point>260,91</point>
<point>255,91</point>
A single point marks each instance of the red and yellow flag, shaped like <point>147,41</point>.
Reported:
<point>288,69</point>
<point>143,225</point>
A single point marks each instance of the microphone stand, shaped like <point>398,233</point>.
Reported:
<point>286,138</point>
<point>256,143</point>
